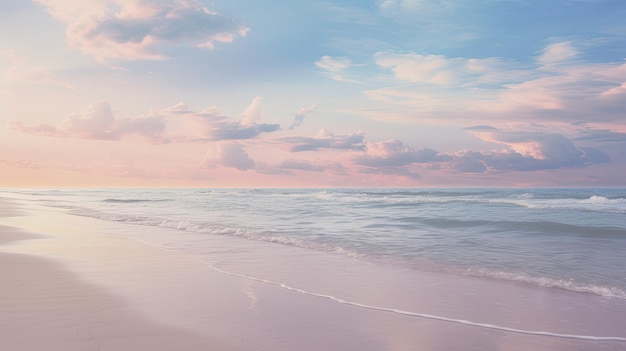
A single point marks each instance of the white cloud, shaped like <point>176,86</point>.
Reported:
<point>556,53</point>
<point>228,154</point>
<point>527,151</point>
<point>614,91</point>
<point>134,29</point>
<point>333,64</point>
<point>176,123</point>
<point>414,5</point>
<point>98,122</point>
<point>442,70</point>
<point>555,86</point>
<point>252,113</point>
<point>335,67</point>
<point>302,113</point>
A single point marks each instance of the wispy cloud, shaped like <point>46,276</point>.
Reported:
<point>557,53</point>
<point>335,67</point>
<point>22,71</point>
<point>554,86</point>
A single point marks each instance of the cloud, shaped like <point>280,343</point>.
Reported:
<point>228,154</point>
<point>480,127</point>
<point>557,53</point>
<point>288,166</point>
<point>442,70</point>
<point>21,72</point>
<point>35,75</point>
<point>393,171</point>
<point>527,151</point>
<point>222,130</point>
<point>333,64</point>
<point>97,122</point>
<point>20,163</point>
<point>554,86</point>
<point>253,112</point>
<point>393,157</point>
<point>136,29</point>
<point>614,92</point>
<point>246,128</point>
<point>414,5</point>
<point>327,140</point>
<point>394,153</point>
<point>300,165</point>
<point>299,118</point>
<point>211,124</point>
<point>173,124</point>
<point>335,67</point>
<point>601,135</point>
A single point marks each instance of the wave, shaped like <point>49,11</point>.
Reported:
<point>593,203</point>
<point>545,282</point>
<point>134,200</point>
<point>215,229</point>
<point>596,203</point>
<point>393,198</point>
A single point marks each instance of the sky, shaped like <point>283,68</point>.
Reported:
<point>368,93</point>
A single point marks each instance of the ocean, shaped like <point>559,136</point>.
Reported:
<point>568,239</point>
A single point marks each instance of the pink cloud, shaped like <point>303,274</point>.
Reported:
<point>20,163</point>
<point>97,122</point>
<point>23,72</point>
<point>228,154</point>
<point>526,151</point>
<point>173,124</point>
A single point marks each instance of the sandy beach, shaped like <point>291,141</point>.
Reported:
<point>69,284</point>
<point>43,306</point>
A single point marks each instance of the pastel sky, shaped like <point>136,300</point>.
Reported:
<point>367,93</point>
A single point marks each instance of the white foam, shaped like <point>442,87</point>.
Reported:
<point>420,315</point>
<point>208,228</point>
<point>593,203</point>
<point>545,282</point>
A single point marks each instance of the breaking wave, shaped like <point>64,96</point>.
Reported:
<point>545,282</point>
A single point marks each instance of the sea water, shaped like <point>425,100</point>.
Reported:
<point>569,239</point>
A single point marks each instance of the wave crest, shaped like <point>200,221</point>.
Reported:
<point>545,282</point>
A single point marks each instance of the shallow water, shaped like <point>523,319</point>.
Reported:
<point>562,238</point>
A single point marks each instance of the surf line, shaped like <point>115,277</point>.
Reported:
<point>419,315</point>
<point>397,311</point>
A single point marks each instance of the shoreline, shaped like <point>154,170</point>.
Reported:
<point>147,293</point>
